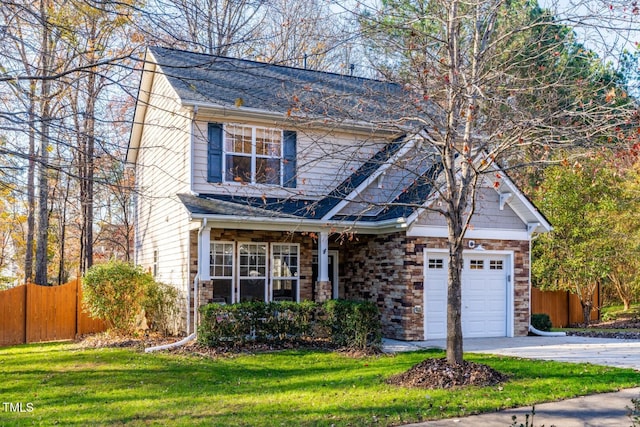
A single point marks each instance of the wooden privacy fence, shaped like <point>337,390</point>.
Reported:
<point>33,313</point>
<point>563,307</point>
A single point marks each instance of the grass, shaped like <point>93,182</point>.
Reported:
<point>614,312</point>
<point>65,385</point>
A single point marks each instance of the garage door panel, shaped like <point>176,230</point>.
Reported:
<point>484,296</point>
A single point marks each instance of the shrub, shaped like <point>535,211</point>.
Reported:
<point>255,321</point>
<point>541,322</point>
<point>117,292</point>
<point>161,307</point>
<point>354,324</point>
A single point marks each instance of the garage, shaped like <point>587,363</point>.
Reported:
<point>486,295</point>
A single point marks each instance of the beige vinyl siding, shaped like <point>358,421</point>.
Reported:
<point>324,160</point>
<point>399,176</point>
<point>487,215</point>
<point>162,171</point>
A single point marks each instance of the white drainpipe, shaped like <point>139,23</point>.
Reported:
<point>196,300</point>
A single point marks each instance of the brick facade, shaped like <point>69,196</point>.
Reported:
<point>389,270</point>
<point>386,269</point>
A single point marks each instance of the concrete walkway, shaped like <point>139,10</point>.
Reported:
<point>608,409</point>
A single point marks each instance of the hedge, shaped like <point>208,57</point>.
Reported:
<point>349,324</point>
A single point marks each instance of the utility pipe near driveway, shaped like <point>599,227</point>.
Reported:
<point>546,334</point>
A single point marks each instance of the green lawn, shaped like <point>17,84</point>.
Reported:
<point>60,384</point>
<point>616,312</point>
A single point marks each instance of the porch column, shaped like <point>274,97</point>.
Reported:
<point>323,285</point>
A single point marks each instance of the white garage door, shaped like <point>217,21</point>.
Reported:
<point>484,295</point>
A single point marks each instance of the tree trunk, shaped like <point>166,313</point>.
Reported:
<point>454,306</point>
<point>31,193</point>
<point>586,312</point>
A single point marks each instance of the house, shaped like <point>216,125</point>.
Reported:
<point>262,182</point>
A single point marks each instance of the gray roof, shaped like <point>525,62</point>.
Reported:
<point>230,82</point>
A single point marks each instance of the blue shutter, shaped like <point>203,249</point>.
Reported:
<point>289,157</point>
<point>214,152</point>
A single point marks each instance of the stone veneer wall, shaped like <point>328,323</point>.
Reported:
<point>389,270</point>
<point>307,245</point>
<point>386,269</point>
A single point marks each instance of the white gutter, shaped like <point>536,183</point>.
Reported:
<point>247,223</point>
<point>280,117</point>
<point>531,328</point>
<point>196,280</point>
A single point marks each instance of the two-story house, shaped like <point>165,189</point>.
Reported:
<point>263,182</point>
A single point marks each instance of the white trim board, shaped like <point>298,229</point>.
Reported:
<point>481,233</point>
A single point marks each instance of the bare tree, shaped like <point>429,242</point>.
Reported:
<point>219,27</point>
<point>485,82</point>
<point>61,59</point>
<point>303,33</point>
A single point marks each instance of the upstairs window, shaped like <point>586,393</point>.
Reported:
<point>251,155</point>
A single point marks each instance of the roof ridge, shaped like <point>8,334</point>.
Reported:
<point>269,64</point>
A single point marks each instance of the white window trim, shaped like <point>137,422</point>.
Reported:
<point>272,277</point>
<point>253,154</point>
<point>265,277</point>
<point>233,266</point>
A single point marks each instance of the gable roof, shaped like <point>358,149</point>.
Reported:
<point>269,90</point>
<point>274,91</point>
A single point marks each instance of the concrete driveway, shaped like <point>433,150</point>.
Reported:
<point>598,351</point>
<point>603,410</point>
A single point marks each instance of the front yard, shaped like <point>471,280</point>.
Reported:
<point>62,384</point>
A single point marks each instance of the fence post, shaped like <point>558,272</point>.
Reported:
<point>77,331</point>
<point>26,314</point>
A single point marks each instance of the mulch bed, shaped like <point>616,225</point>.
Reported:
<point>143,341</point>
<point>439,374</point>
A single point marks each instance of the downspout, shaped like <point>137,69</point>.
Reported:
<point>196,281</point>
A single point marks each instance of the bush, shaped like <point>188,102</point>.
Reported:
<point>117,292</point>
<point>354,324</point>
<point>161,307</point>
<point>541,322</point>
<point>255,321</point>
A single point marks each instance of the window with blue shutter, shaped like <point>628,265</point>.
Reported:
<point>250,154</point>
<point>214,153</point>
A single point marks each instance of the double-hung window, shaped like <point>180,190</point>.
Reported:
<point>221,269</point>
<point>252,265</point>
<point>284,272</point>
<point>252,154</point>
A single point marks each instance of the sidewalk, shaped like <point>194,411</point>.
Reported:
<point>597,410</point>
<point>601,410</point>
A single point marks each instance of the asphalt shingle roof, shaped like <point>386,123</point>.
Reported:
<point>231,82</point>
